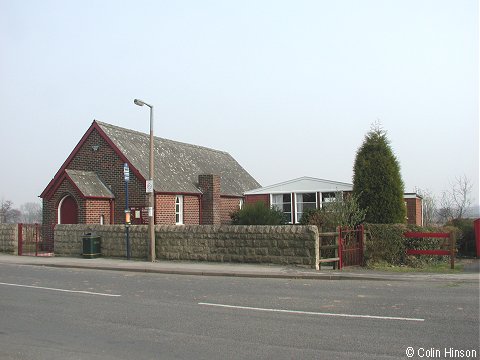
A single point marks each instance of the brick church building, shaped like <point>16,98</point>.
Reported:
<point>192,184</point>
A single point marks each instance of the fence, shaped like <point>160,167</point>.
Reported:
<point>35,240</point>
<point>346,249</point>
<point>440,252</point>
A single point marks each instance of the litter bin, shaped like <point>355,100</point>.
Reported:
<point>91,246</point>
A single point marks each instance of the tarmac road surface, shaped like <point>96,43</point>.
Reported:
<point>68,313</point>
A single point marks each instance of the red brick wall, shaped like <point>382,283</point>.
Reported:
<point>211,206</point>
<point>191,210</point>
<point>94,209</point>
<point>414,211</point>
<point>50,205</point>
<point>418,213</point>
<point>165,209</point>
<point>228,206</point>
<point>109,168</point>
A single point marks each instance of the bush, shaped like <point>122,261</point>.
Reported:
<point>377,180</point>
<point>258,214</point>
<point>343,212</point>
<point>465,236</point>
<point>385,243</point>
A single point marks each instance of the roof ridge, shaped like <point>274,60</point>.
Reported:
<point>78,171</point>
<point>159,138</point>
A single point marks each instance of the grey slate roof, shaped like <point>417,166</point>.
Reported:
<point>89,184</point>
<point>177,165</point>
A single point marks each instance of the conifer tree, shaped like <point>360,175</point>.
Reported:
<point>377,181</point>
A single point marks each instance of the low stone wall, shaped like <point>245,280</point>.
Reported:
<point>289,244</point>
<point>9,238</point>
<point>68,240</point>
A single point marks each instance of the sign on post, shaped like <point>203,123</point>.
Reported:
<point>126,172</point>
<point>149,186</point>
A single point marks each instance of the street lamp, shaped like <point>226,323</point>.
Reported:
<point>151,225</point>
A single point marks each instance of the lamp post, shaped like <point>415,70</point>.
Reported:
<point>126,174</point>
<point>151,225</point>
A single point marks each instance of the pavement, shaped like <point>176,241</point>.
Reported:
<point>470,274</point>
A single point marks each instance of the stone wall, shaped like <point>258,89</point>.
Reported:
<point>69,239</point>
<point>9,238</point>
<point>289,244</point>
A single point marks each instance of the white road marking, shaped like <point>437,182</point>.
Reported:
<point>312,312</point>
<point>61,290</point>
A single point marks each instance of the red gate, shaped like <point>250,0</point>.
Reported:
<point>351,245</point>
<point>35,240</point>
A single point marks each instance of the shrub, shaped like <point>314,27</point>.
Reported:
<point>385,243</point>
<point>258,214</point>
<point>465,236</point>
<point>345,212</point>
<point>377,181</point>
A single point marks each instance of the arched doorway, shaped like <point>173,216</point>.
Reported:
<point>68,211</point>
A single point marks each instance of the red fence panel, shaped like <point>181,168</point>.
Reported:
<point>439,252</point>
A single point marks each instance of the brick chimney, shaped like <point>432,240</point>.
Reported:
<point>210,187</point>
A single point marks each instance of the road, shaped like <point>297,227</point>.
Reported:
<point>52,313</point>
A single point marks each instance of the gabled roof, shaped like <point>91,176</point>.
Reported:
<point>303,184</point>
<point>89,184</point>
<point>177,165</point>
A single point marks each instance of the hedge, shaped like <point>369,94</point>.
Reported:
<point>386,243</point>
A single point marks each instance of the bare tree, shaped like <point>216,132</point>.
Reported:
<point>456,201</point>
<point>429,206</point>
<point>31,213</point>
<point>7,213</point>
<point>461,192</point>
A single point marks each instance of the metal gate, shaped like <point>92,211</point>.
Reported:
<point>35,240</point>
<point>351,243</point>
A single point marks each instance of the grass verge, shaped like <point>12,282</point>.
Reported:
<point>425,268</point>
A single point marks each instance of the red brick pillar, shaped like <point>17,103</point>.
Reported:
<point>211,209</point>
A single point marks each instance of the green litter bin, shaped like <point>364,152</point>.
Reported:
<point>91,246</point>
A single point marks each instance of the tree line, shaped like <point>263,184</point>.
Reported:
<point>28,213</point>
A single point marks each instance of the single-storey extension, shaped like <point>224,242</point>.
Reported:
<point>293,197</point>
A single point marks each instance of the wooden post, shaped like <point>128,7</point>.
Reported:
<point>339,248</point>
<point>20,239</point>
<point>319,247</point>
<point>452,250</point>
<point>361,236</point>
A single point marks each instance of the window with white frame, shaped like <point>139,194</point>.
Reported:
<point>179,209</point>
<point>304,202</point>
<point>328,198</point>
<point>283,202</point>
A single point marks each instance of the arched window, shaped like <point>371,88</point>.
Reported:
<point>179,209</point>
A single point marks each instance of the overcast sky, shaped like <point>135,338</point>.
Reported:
<point>288,88</point>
